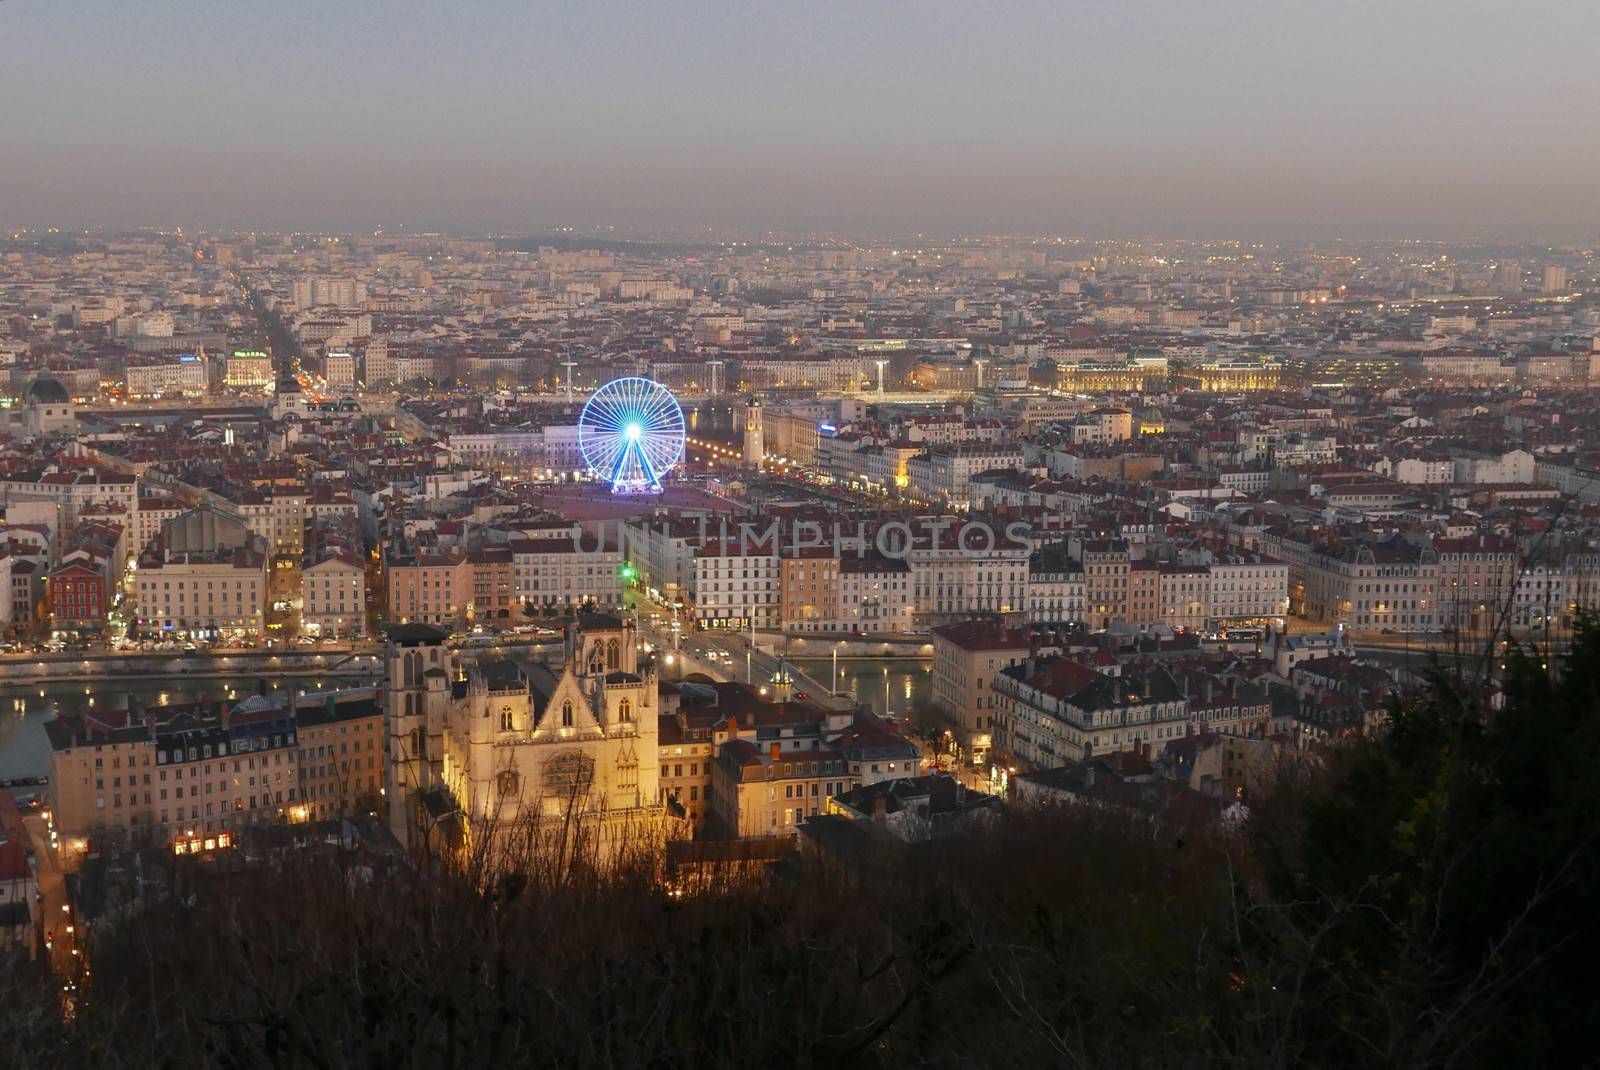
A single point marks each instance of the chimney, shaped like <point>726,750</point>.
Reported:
<point>880,808</point>
<point>1147,751</point>
<point>777,750</point>
<point>733,728</point>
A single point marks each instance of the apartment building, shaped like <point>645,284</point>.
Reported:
<point>333,582</point>
<point>186,776</point>
<point>203,577</point>
<point>1048,714</point>
<point>945,472</point>
<point>685,750</point>
<point>1185,596</point>
<point>1056,590</point>
<point>961,569</point>
<point>734,585</point>
<point>339,369</point>
<point>340,764</point>
<point>186,376</point>
<point>875,595</point>
<point>1144,592</point>
<point>1390,586</point>
<point>967,656</point>
<point>1107,567</point>
<point>1247,587</point>
<point>809,590</point>
<point>70,488</point>
<point>427,586</point>
<point>276,513</point>
<point>22,587</point>
<point>494,583</point>
<point>770,785</point>
<point>311,291</point>
<point>1477,581</point>
<point>559,571</point>
<point>249,369</point>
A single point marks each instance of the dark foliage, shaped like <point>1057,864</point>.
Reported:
<point>1422,900</point>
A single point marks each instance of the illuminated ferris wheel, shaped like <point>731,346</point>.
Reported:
<point>631,433</point>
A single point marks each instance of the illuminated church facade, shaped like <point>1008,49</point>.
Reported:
<point>495,748</point>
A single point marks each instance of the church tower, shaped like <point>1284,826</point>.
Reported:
<point>754,447</point>
<point>416,684</point>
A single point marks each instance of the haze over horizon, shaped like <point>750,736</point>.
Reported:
<point>1431,120</point>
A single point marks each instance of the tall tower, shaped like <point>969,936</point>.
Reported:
<point>416,696</point>
<point>754,449</point>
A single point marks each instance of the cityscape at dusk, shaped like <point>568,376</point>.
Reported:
<point>762,535</point>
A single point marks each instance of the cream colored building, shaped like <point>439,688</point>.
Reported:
<point>277,514</point>
<point>1185,596</point>
<point>248,370</point>
<point>186,377</point>
<point>1247,586</point>
<point>339,368</point>
<point>734,586</point>
<point>566,570</point>
<point>192,776</point>
<point>875,595</point>
<point>568,750</point>
<point>203,577</point>
<point>767,791</point>
<point>427,588</point>
<point>333,596</point>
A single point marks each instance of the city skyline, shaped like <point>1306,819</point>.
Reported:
<point>1273,124</point>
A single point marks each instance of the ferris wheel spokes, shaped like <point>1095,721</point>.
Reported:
<point>631,432</point>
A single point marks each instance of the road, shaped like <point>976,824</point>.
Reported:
<point>281,342</point>
<point>55,909</point>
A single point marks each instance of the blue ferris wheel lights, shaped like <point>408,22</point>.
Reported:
<point>631,431</point>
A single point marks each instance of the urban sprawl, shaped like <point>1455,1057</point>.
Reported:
<point>1158,518</point>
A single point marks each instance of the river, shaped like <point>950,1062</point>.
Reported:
<point>891,685</point>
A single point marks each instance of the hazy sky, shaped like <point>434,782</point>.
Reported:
<point>1273,119</point>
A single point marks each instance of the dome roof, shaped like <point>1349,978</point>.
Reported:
<point>47,392</point>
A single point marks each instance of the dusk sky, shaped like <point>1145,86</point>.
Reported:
<point>1274,119</point>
